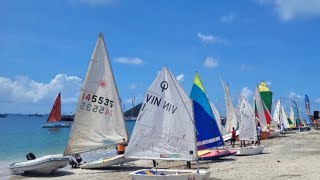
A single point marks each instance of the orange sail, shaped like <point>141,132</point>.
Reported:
<point>55,114</point>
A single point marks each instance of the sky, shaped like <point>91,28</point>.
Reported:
<point>46,46</point>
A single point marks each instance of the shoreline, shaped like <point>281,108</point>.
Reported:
<point>294,156</point>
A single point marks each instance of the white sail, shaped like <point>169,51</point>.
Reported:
<point>216,114</point>
<point>284,118</point>
<point>276,113</point>
<point>260,109</point>
<point>165,126</point>
<point>291,117</point>
<point>99,119</point>
<point>231,113</point>
<point>247,125</point>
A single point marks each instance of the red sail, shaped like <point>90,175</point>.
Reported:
<point>55,114</point>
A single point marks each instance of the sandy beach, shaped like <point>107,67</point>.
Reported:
<point>294,156</point>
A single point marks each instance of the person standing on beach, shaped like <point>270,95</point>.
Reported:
<point>258,135</point>
<point>233,137</point>
<point>282,130</point>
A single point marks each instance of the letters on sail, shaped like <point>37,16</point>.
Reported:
<point>99,119</point>
<point>165,125</point>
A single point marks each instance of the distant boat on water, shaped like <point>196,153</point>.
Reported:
<point>37,115</point>
<point>54,119</point>
<point>2,115</point>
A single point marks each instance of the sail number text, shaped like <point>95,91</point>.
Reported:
<point>89,101</point>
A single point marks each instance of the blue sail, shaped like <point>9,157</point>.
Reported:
<point>208,133</point>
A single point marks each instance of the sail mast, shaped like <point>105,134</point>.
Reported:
<point>99,120</point>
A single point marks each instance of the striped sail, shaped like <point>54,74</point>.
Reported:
<point>208,134</point>
<point>266,97</point>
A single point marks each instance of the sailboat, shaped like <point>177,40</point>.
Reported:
<point>98,121</point>
<point>54,118</point>
<point>301,125</point>
<point>260,115</point>
<point>279,116</point>
<point>165,130</point>
<point>247,130</point>
<point>232,120</point>
<point>209,137</point>
<point>48,163</point>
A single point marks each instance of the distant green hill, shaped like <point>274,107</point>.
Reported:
<point>134,112</point>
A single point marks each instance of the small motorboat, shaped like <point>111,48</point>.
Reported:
<point>44,165</point>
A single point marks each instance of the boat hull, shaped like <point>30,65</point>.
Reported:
<point>57,125</point>
<point>250,150</point>
<point>264,135</point>
<point>43,165</point>
<point>146,174</point>
<point>119,159</point>
<point>216,154</point>
<point>227,137</point>
<point>274,133</point>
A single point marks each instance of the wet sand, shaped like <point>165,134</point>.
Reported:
<point>294,156</point>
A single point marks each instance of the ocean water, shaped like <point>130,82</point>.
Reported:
<point>22,134</point>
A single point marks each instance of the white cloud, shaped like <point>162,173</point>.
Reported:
<point>317,100</point>
<point>133,86</point>
<point>293,95</point>
<point>227,18</point>
<point>210,62</point>
<point>246,92</point>
<point>246,67</point>
<point>128,60</point>
<point>180,78</point>
<point>268,83</point>
<point>24,90</point>
<point>94,3</point>
<point>208,38</point>
<point>292,9</point>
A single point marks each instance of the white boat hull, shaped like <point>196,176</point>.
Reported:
<point>227,137</point>
<point>57,125</point>
<point>249,150</point>
<point>154,174</point>
<point>275,133</point>
<point>43,165</point>
<point>119,159</point>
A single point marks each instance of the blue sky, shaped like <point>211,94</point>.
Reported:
<point>45,48</point>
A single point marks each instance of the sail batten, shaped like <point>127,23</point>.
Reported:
<point>99,120</point>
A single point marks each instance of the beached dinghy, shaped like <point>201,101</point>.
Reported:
<point>247,130</point>
<point>146,174</point>
<point>43,165</point>
<point>165,130</point>
<point>209,137</point>
<point>249,150</point>
<point>107,162</point>
<point>98,121</point>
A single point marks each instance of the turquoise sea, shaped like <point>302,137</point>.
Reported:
<point>21,134</point>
